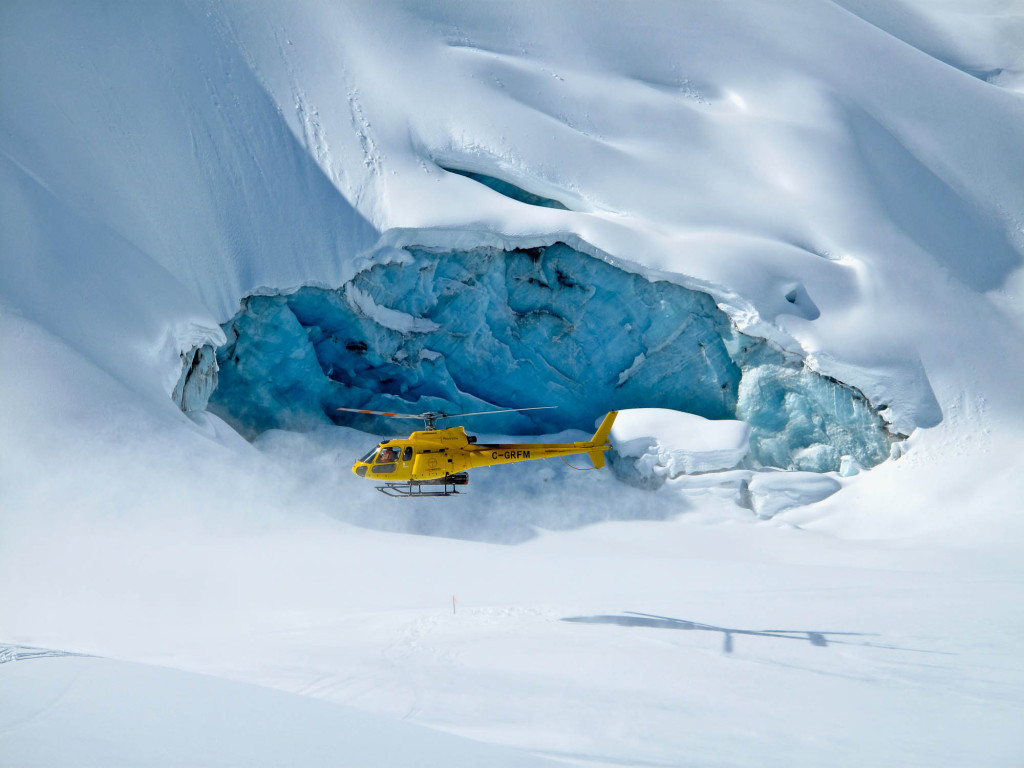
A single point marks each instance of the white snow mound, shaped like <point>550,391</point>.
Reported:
<point>668,443</point>
<point>772,492</point>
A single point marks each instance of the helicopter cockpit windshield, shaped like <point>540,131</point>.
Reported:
<point>387,455</point>
<point>368,458</point>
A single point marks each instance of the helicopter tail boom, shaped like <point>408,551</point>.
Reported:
<point>483,455</point>
<point>601,439</point>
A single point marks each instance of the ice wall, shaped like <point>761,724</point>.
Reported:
<point>800,419</point>
<point>198,378</point>
<point>470,330</point>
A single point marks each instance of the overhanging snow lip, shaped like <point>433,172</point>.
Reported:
<point>903,415</point>
<point>740,312</point>
<point>461,238</point>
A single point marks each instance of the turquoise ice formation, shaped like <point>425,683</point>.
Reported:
<point>457,331</point>
<point>198,378</point>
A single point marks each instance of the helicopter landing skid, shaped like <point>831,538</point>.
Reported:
<point>425,488</point>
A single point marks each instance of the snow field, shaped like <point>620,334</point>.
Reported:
<point>842,179</point>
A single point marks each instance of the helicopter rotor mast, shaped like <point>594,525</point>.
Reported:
<point>430,418</point>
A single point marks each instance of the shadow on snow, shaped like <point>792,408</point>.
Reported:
<point>818,638</point>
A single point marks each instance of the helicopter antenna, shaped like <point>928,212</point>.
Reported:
<point>430,418</point>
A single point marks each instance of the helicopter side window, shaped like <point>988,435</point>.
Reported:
<point>387,455</point>
<point>407,453</point>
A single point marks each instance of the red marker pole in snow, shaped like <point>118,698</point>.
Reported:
<point>453,605</point>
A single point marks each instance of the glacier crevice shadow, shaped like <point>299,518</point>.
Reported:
<point>508,189</point>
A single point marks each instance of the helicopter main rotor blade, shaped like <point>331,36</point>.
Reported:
<point>504,410</point>
<point>443,415</point>
<point>384,413</point>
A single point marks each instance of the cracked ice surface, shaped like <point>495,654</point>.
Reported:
<point>484,328</point>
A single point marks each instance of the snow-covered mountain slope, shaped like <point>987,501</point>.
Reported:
<point>840,180</point>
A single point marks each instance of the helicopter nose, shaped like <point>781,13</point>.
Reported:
<point>360,469</point>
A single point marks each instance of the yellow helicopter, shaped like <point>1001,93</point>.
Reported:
<point>432,462</point>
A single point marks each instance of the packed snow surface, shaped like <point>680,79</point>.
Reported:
<point>117,713</point>
<point>840,181</point>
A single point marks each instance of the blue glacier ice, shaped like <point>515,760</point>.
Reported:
<point>800,419</point>
<point>487,328</point>
<point>198,378</point>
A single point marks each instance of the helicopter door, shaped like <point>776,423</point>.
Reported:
<point>429,465</point>
<point>405,459</point>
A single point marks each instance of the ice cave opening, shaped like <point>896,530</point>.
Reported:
<point>472,330</point>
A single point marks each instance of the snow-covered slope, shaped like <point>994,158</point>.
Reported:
<point>842,179</point>
<point>78,711</point>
